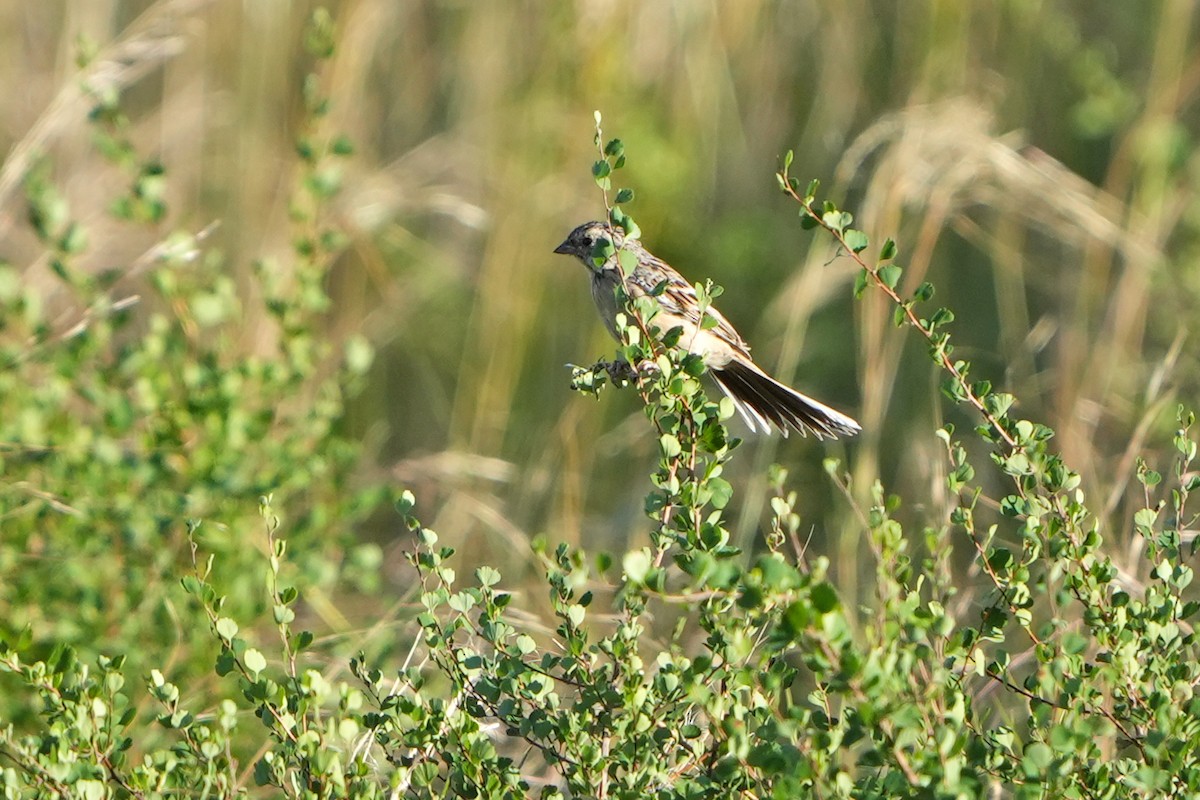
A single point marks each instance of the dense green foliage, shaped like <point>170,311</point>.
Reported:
<point>129,412</point>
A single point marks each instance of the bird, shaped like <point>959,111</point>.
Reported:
<point>762,401</point>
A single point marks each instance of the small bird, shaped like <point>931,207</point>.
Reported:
<point>760,399</point>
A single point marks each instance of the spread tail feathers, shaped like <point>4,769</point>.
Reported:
<point>763,401</point>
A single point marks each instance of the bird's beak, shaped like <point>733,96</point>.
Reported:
<point>563,249</point>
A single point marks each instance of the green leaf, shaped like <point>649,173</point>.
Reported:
<point>941,317</point>
<point>88,789</point>
<point>254,661</point>
<point>1037,758</point>
<point>856,240</point>
<point>861,282</point>
<point>836,220</point>
<point>636,565</point>
<point>624,195</point>
<point>1017,464</point>
<point>889,275</point>
<point>1013,506</point>
<point>627,260</point>
<point>669,444</point>
<point>632,231</point>
<point>320,35</point>
<point>999,403</point>
<point>601,171</point>
<point>602,249</point>
<point>462,602</point>
<point>722,491</point>
<point>888,251</point>
<point>226,628</point>
<point>796,618</point>
<point>824,598</point>
<point>1000,560</point>
<point>1144,519</point>
<point>225,663</point>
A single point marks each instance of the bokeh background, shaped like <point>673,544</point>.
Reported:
<point>1034,159</point>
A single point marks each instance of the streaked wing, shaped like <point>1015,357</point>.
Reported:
<point>680,305</point>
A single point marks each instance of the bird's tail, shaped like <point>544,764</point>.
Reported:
<point>763,401</point>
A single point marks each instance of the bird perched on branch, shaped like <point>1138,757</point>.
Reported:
<point>762,401</point>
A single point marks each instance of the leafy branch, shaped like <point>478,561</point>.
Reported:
<point>885,275</point>
<point>1059,541</point>
<point>667,379</point>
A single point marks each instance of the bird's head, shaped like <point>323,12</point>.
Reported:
<point>593,243</point>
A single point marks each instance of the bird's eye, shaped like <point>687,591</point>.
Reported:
<point>588,241</point>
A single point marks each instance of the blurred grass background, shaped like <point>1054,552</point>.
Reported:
<point>1035,159</point>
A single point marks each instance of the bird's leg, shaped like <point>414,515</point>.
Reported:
<point>589,380</point>
<point>620,371</point>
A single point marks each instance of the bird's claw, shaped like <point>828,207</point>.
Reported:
<point>621,372</point>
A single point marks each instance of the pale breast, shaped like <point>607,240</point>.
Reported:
<point>604,286</point>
